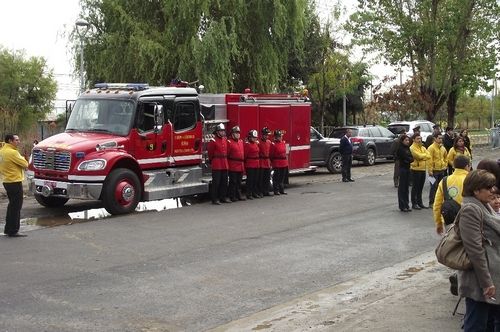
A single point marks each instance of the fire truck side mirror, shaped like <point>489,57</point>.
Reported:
<point>159,117</point>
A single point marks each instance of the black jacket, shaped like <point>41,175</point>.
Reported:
<point>448,142</point>
<point>404,156</point>
<point>345,146</point>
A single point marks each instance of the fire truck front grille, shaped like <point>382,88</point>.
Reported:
<point>52,160</point>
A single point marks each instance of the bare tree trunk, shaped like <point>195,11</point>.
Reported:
<point>451,105</point>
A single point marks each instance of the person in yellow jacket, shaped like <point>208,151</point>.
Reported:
<point>418,170</point>
<point>12,166</point>
<point>438,164</point>
<point>454,182</point>
<point>458,149</point>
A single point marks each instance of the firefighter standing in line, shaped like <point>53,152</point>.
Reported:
<point>12,166</point>
<point>235,160</point>
<point>217,154</point>
<point>279,163</point>
<point>265,162</point>
<point>252,165</point>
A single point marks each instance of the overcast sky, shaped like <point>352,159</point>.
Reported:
<point>40,27</point>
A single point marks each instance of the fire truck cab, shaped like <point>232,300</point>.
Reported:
<point>126,143</point>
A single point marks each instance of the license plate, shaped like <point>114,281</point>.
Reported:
<point>51,184</point>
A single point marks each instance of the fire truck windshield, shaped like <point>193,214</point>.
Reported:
<point>101,115</point>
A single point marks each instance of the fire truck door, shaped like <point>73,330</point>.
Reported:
<point>187,131</point>
<point>153,134</point>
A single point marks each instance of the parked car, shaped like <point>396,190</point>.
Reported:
<point>369,142</point>
<point>425,127</point>
<point>325,152</point>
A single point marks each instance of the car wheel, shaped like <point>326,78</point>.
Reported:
<point>334,163</point>
<point>370,157</point>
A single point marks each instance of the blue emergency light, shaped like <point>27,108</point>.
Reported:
<point>122,86</point>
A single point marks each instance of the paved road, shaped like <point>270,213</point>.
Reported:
<point>202,266</point>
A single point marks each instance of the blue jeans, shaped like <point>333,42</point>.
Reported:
<point>477,315</point>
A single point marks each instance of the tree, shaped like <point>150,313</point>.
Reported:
<point>27,91</point>
<point>449,45</point>
<point>226,45</point>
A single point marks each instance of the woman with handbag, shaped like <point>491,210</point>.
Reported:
<point>479,230</point>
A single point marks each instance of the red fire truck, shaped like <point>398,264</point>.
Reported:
<point>126,143</point>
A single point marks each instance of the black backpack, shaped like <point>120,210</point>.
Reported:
<point>450,207</point>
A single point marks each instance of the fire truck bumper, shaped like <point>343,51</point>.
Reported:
<point>90,191</point>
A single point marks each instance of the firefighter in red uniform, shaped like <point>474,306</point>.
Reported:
<point>252,165</point>
<point>236,161</point>
<point>279,162</point>
<point>217,154</point>
<point>265,162</point>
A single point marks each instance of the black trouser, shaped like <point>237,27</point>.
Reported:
<point>252,181</point>
<point>418,179</point>
<point>438,176</point>
<point>234,185</point>
<point>346,166</point>
<point>219,185</point>
<point>13,215</point>
<point>264,180</point>
<point>404,188</point>
<point>395,176</point>
<point>279,179</point>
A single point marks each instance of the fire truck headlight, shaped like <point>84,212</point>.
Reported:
<point>92,165</point>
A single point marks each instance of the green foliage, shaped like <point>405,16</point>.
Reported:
<point>450,45</point>
<point>27,91</point>
<point>226,45</point>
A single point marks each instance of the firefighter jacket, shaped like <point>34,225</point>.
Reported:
<point>235,156</point>
<point>12,164</point>
<point>264,150</point>
<point>453,153</point>
<point>278,155</point>
<point>420,157</point>
<point>217,153</point>
<point>252,155</point>
<point>438,161</point>
<point>455,184</point>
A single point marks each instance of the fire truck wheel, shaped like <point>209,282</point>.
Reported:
<point>334,163</point>
<point>51,201</point>
<point>121,192</point>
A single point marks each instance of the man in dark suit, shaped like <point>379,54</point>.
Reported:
<point>345,150</point>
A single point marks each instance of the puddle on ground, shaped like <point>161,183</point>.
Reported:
<point>29,224</point>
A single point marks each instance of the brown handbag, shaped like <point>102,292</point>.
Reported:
<point>450,251</point>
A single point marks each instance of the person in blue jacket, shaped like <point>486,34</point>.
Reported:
<point>345,150</point>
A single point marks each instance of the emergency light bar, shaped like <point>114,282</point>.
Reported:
<point>122,86</point>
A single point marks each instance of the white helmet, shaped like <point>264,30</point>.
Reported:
<point>220,126</point>
<point>253,133</point>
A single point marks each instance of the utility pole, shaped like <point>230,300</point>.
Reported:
<point>344,112</point>
<point>493,96</point>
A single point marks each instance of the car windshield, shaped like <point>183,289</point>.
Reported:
<point>100,115</point>
<point>396,128</point>
<point>339,132</point>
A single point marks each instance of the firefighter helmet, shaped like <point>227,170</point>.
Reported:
<point>253,133</point>
<point>265,131</point>
<point>220,126</point>
<point>235,129</point>
<point>277,133</point>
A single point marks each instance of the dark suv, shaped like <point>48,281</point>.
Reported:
<point>369,142</point>
<point>325,152</point>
